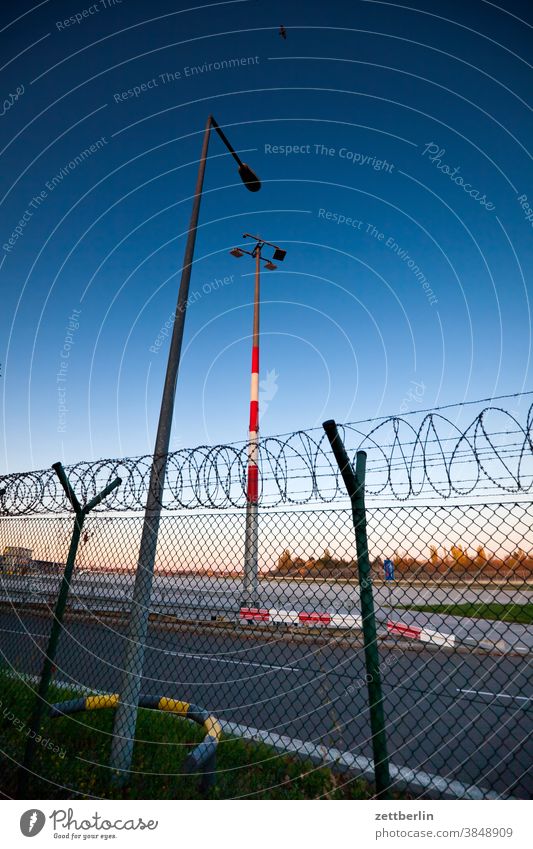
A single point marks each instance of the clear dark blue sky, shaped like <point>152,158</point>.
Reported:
<point>420,299</point>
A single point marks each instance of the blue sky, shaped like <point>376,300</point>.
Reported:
<point>391,142</point>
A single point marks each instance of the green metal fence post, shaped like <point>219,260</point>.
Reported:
<point>57,622</point>
<point>355,486</point>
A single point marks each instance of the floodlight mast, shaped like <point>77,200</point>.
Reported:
<point>250,596</point>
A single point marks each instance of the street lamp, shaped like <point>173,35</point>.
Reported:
<point>126,713</point>
<point>251,581</point>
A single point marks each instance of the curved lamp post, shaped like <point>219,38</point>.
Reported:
<point>126,714</point>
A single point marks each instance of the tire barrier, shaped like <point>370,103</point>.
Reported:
<point>201,759</point>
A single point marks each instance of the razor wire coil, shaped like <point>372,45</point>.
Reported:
<point>404,461</point>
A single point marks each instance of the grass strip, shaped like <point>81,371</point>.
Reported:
<point>521,613</point>
<point>73,753</point>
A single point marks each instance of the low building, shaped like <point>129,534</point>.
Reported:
<point>16,560</point>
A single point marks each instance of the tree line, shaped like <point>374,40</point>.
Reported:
<point>456,560</point>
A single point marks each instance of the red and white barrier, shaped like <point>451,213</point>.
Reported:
<point>425,635</point>
<point>437,638</point>
<point>254,614</point>
<point>345,620</point>
<point>293,617</point>
<point>340,620</point>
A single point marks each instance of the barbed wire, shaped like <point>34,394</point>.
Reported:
<point>435,458</point>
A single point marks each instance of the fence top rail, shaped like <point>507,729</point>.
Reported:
<point>431,457</point>
<point>340,507</point>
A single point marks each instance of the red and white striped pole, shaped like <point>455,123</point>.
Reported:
<point>251,581</point>
<point>251,569</point>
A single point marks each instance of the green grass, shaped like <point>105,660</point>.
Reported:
<point>79,770</point>
<point>522,613</point>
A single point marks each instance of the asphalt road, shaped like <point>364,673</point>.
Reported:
<point>462,716</point>
<point>195,596</point>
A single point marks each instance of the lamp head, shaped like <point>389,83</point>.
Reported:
<point>237,252</point>
<point>279,255</point>
<point>249,177</point>
<point>270,265</point>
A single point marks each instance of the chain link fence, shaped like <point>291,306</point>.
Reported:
<point>452,594</point>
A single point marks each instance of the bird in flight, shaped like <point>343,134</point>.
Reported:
<point>283,31</point>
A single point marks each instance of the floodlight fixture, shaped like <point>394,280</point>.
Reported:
<point>249,177</point>
<point>237,252</point>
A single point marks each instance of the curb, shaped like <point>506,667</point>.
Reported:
<point>304,631</point>
<point>339,761</point>
<point>348,621</point>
